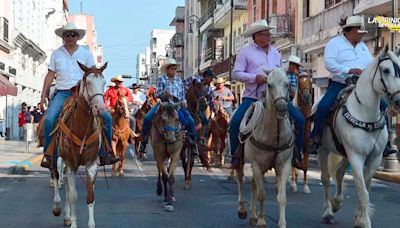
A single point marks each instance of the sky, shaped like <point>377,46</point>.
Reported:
<point>123,28</point>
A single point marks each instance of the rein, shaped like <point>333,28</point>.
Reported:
<point>397,74</point>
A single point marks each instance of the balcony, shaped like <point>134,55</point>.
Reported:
<point>239,42</point>
<point>207,19</point>
<point>374,7</point>
<point>318,28</point>
<point>222,16</point>
<point>223,67</point>
<point>283,24</point>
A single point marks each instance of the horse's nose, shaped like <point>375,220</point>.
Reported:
<point>281,106</point>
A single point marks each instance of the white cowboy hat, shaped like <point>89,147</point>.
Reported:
<point>70,27</point>
<point>295,59</point>
<point>258,26</point>
<point>220,80</point>
<point>166,64</point>
<point>112,84</point>
<point>355,21</point>
<point>117,78</point>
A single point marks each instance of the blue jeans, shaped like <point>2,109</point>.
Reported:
<point>299,124</point>
<point>229,110</point>
<point>325,105</point>
<point>235,123</point>
<point>184,116</point>
<point>52,113</point>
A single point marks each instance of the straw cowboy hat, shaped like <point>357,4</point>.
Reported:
<point>70,27</point>
<point>258,26</point>
<point>112,84</point>
<point>135,86</point>
<point>295,59</point>
<point>166,64</point>
<point>117,78</point>
<point>355,21</point>
<point>220,80</point>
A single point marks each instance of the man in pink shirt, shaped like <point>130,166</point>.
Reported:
<point>248,69</point>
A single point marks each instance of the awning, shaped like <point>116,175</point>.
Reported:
<point>6,88</point>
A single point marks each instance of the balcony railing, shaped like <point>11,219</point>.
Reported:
<point>283,24</point>
<point>225,7</point>
<point>224,66</point>
<point>207,15</point>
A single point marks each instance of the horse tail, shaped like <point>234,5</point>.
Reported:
<point>203,157</point>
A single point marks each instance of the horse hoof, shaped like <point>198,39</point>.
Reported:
<point>293,188</point>
<point>242,214</point>
<point>67,222</point>
<point>56,211</point>
<point>187,186</point>
<point>121,174</point>
<point>159,192</point>
<point>336,205</point>
<point>169,208</point>
<point>306,189</point>
<point>253,221</point>
<point>173,199</point>
<point>51,183</point>
<point>329,219</point>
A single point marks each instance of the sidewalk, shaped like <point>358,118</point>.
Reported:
<point>13,155</point>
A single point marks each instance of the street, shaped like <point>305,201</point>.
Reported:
<point>131,201</point>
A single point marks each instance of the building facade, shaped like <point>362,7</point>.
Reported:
<point>176,45</point>
<point>141,68</point>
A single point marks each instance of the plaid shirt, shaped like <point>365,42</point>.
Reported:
<point>175,87</point>
<point>292,82</point>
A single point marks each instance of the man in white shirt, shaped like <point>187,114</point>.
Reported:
<point>138,99</point>
<point>63,64</point>
<point>345,56</point>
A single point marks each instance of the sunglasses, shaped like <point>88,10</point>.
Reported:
<point>70,34</point>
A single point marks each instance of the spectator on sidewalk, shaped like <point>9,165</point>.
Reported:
<point>21,122</point>
<point>37,115</point>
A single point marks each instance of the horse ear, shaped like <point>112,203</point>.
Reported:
<point>103,67</point>
<point>83,67</point>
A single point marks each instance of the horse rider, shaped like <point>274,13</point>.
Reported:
<point>224,96</point>
<point>293,71</point>
<point>248,69</point>
<point>110,90</point>
<point>151,93</point>
<point>138,98</point>
<point>63,63</point>
<point>168,86</point>
<point>345,56</point>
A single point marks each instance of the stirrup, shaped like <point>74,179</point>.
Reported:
<point>47,161</point>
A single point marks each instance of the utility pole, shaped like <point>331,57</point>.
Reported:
<point>81,7</point>
<point>230,44</point>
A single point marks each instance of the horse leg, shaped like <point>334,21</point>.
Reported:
<point>72,196</point>
<point>91,171</point>
<point>370,168</point>
<point>171,181</point>
<point>60,169</point>
<point>231,175</point>
<point>282,174</point>
<point>361,218</point>
<point>114,149</point>
<point>293,180</point>
<point>122,158</point>
<point>327,215</point>
<point>253,215</point>
<point>159,186</point>
<point>258,177</point>
<point>57,198</point>
<point>242,213</point>
<point>164,177</point>
<point>67,207</point>
<point>221,150</point>
<point>337,200</point>
<point>306,189</point>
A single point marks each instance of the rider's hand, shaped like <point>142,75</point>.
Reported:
<point>166,93</point>
<point>42,103</point>
<point>260,79</point>
<point>355,71</point>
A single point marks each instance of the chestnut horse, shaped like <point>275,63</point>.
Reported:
<point>121,133</point>
<point>218,128</point>
<point>303,100</point>
<point>79,135</point>
<point>147,105</point>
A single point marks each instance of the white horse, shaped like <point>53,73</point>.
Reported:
<point>79,140</point>
<point>269,146</point>
<point>363,148</point>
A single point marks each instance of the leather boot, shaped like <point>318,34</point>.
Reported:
<point>388,150</point>
<point>47,161</point>
<point>109,159</point>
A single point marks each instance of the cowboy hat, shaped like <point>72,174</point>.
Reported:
<point>166,64</point>
<point>355,21</point>
<point>295,59</point>
<point>117,78</point>
<point>70,26</point>
<point>258,26</point>
<point>112,84</point>
<point>135,86</point>
<point>220,80</point>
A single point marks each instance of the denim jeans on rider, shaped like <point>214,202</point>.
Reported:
<point>185,118</point>
<point>52,113</point>
<point>235,123</point>
<point>299,124</point>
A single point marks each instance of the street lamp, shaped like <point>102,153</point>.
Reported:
<point>168,51</point>
<point>195,19</point>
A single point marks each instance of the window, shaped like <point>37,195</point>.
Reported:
<point>4,29</point>
<point>306,8</point>
<point>254,12</point>
<point>330,3</point>
<point>154,42</point>
<point>274,6</point>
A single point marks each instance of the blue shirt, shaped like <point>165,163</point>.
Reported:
<point>292,81</point>
<point>174,86</point>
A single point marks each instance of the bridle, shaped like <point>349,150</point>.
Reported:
<point>96,73</point>
<point>396,74</point>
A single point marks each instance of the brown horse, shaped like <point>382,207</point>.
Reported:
<point>196,102</point>
<point>147,105</point>
<point>303,100</point>
<point>166,140</point>
<point>79,135</point>
<point>218,128</point>
<point>121,133</point>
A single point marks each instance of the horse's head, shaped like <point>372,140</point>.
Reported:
<point>278,92</point>
<point>305,89</point>
<point>120,105</point>
<point>386,76</point>
<point>196,95</point>
<point>170,120</point>
<point>91,88</point>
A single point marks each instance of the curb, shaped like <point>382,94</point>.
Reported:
<point>388,176</point>
<point>29,163</point>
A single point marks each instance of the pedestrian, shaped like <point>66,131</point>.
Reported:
<point>37,115</point>
<point>223,96</point>
<point>64,64</point>
<point>248,69</point>
<point>1,124</point>
<point>21,122</point>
